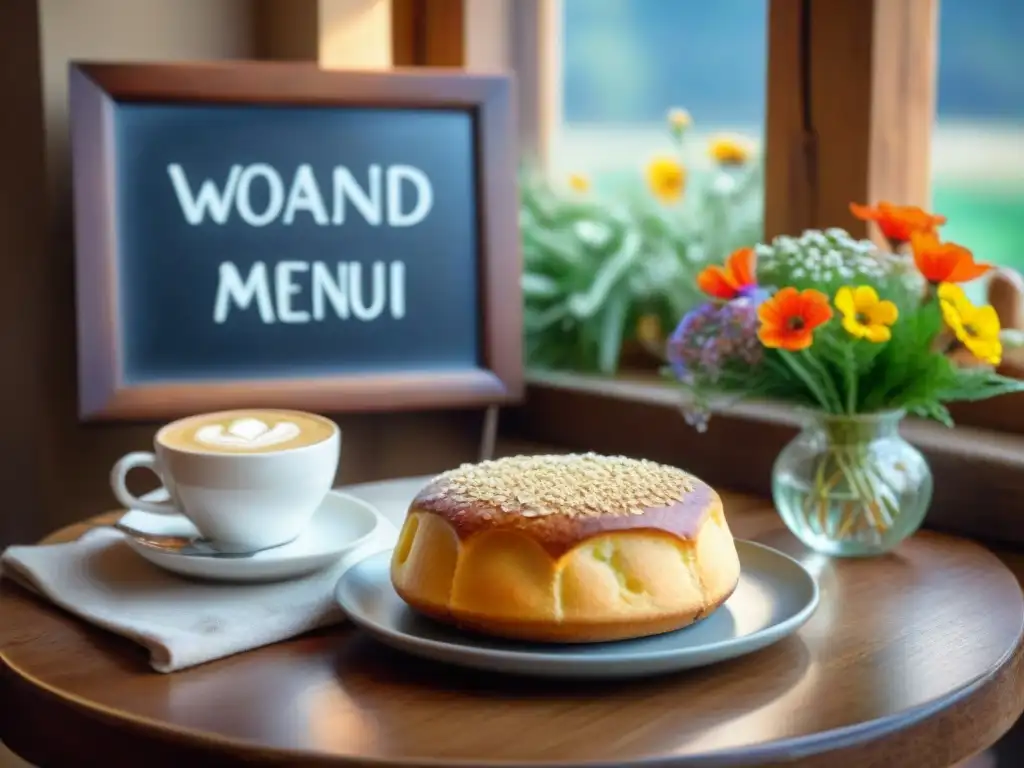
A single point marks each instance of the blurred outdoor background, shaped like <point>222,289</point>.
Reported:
<point>626,62</point>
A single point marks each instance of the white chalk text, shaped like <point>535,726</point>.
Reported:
<point>297,291</point>
<point>396,196</point>
<point>303,292</point>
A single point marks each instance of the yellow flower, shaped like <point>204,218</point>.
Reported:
<point>865,316</point>
<point>679,119</point>
<point>730,150</point>
<point>977,328</point>
<point>648,328</point>
<point>579,183</point>
<point>666,177</point>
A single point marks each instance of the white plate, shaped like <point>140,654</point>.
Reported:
<point>774,598</point>
<point>341,524</point>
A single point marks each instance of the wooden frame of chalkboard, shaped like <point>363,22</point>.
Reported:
<point>106,393</point>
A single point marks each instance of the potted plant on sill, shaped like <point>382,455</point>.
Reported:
<point>607,273</point>
<point>856,337</point>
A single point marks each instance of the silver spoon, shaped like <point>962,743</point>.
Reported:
<point>189,546</point>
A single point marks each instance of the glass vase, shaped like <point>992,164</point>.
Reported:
<point>851,486</point>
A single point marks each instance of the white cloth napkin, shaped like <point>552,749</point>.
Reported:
<point>181,622</point>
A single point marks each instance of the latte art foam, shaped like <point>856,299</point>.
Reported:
<point>247,432</point>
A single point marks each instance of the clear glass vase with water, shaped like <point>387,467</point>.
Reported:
<point>850,485</point>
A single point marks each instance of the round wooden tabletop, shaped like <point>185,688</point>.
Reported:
<point>912,660</point>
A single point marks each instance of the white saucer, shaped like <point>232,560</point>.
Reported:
<point>341,524</point>
<point>775,597</point>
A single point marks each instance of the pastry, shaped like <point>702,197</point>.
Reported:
<point>576,548</point>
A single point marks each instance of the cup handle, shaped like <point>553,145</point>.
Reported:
<point>118,475</point>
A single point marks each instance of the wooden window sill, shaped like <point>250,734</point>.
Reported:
<point>979,474</point>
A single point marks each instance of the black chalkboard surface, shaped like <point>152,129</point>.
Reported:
<point>258,241</point>
<point>275,234</point>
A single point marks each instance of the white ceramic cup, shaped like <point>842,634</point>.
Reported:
<point>239,502</point>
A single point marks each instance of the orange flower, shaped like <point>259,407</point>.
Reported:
<point>898,222</point>
<point>729,150</point>
<point>944,262</point>
<point>730,281</point>
<point>789,318</point>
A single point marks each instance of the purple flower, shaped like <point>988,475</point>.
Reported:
<point>755,293</point>
<point>712,337</point>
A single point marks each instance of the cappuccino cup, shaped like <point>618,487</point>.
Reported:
<point>247,479</point>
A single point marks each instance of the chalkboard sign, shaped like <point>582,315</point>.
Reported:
<point>279,235</point>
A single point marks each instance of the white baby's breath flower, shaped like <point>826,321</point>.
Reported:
<point>815,237</point>
<point>823,258</point>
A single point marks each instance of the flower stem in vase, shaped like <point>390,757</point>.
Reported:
<point>849,485</point>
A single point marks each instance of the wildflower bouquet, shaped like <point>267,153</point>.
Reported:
<point>601,269</point>
<point>837,325</point>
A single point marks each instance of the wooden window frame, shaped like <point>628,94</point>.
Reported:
<point>850,104</point>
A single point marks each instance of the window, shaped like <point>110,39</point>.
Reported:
<point>652,114</point>
<point>626,63</point>
<point>841,94</point>
<point>978,141</point>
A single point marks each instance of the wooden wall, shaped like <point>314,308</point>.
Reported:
<point>54,470</point>
<point>23,235</point>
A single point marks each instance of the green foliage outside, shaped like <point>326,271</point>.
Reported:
<point>602,261</point>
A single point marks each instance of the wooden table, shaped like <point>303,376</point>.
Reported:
<point>912,661</point>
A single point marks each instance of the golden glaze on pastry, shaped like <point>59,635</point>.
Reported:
<point>578,548</point>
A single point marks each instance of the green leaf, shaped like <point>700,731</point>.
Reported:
<point>537,286</point>
<point>553,246</point>
<point>613,324</point>
<point>933,410</point>
<point>968,384</point>
<point>906,363</point>
<point>537,321</point>
<point>927,377</point>
<point>587,304</point>
<point>810,381</point>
